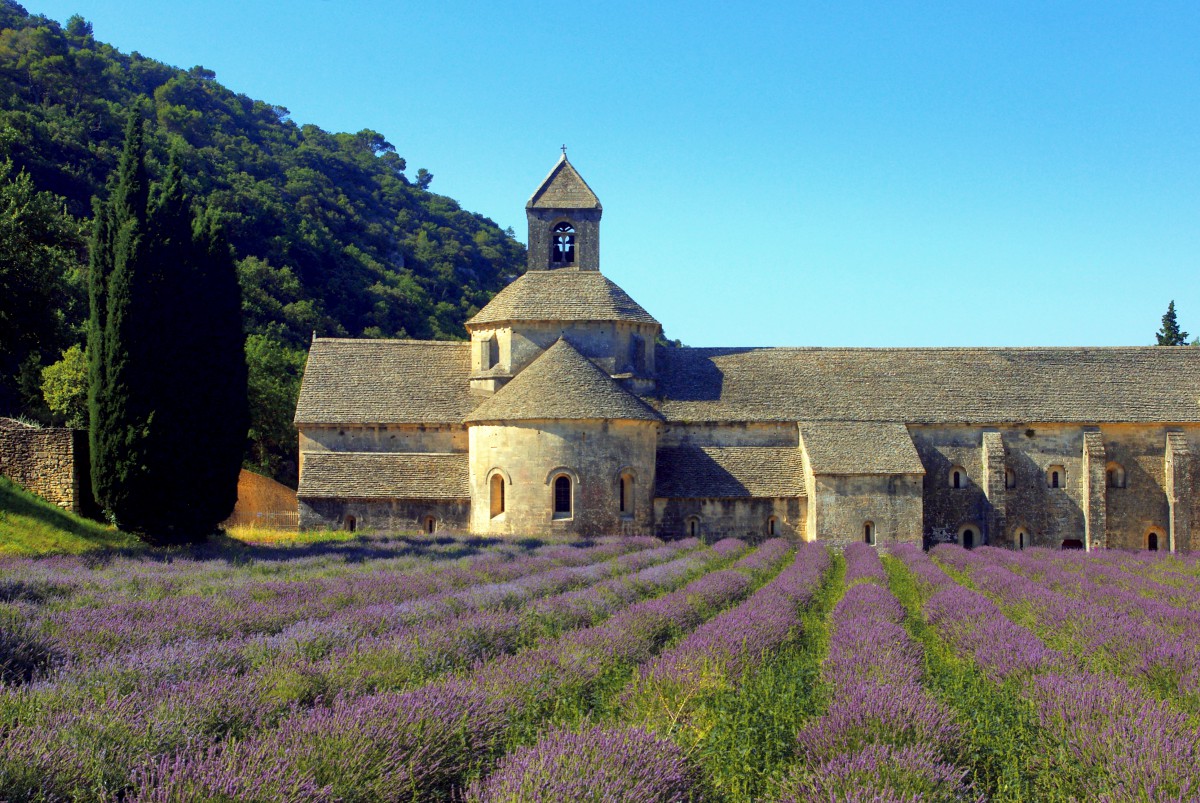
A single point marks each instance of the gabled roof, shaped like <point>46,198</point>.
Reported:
<point>384,475</point>
<point>859,447</point>
<point>729,472</point>
<point>564,188</point>
<point>931,386</point>
<point>562,384</point>
<point>385,382</point>
<point>566,294</point>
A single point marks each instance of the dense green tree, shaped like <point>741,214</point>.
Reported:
<point>168,394</point>
<point>1170,334</point>
<point>275,371</point>
<point>119,410</point>
<point>64,387</point>
<point>40,281</point>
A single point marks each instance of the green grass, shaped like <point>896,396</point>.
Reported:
<point>31,526</point>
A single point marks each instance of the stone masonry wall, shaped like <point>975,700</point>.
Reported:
<point>1158,494</point>
<point>51,463</point>
<point>715,519</point>
<point>385,515</point>
<point>530,455</point>
<point>844,504</point>
<point>383,438</point>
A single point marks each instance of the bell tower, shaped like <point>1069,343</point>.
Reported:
<point>564,221</point>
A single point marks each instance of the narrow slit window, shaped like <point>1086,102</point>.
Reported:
<point>351,524</point>
<point>430,524</point>
<point>869,533</point>
<point>772,524</point>
<point>1056,477</point>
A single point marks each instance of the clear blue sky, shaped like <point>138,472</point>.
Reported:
<point>892,173</point>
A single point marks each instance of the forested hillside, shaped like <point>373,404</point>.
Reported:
<point>329,231</point>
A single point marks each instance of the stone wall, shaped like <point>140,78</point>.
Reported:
<point>529,455</point>
<point>384,438</point>
<point>385,515</point>
<point>842,505</point>
<point>610,344</point>
<point>51,462</point>
<point>587,236</point>
<point>740,433</point>
<point>748,519</point>
<point>1158,492</point>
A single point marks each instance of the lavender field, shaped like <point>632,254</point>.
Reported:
<point>408,669</point>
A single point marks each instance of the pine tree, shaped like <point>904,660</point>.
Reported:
<point>168,404</point>
<point>1170,333</point>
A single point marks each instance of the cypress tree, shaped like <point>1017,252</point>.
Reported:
<point>168,397</point>
<point>116,251</point>
<point>1170,334</point>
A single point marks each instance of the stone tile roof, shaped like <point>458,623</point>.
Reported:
<point>859,447</point>
<point>565,294</point>
<point>564,188</point>
<point>385,382</point>
<point>943,385</point>
<point>384,475</point>
<point>729,472</point>
<point>562,384</point>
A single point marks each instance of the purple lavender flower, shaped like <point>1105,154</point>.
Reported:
<point>599,764</point>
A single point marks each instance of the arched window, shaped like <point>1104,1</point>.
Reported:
<point>692,525</point>
<point>1010,478</point>
<point>562,497</point>
<point>1153,539</point>
<point>1021,538</point>
<point>351,524</point>
<point>562,244</point>
<point>497,494</point>
<point>1071,543</point>
<point>1116,474</point>
<point>967,537</point>
<point>869,532</point>
<point>430,524</point>
<point>625,494</point>
<point>1056,477</point>
<point>772,526</point>
<point>958,477</point>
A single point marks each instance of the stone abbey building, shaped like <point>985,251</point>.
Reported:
<point>562,414</point>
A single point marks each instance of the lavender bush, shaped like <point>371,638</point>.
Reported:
<point>598,765</point>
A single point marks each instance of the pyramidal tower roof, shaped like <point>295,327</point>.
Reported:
<point>564,188</point>
<point>562,384</point>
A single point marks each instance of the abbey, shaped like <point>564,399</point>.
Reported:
<point>563,414</point>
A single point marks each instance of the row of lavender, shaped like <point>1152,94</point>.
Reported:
<point>662,709</point>
<point>883,737</point>
<point>425,743</point>
<point>1091,669</point>
<point>139,707</point>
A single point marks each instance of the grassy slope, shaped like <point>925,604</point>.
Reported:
<point>31,526</point>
